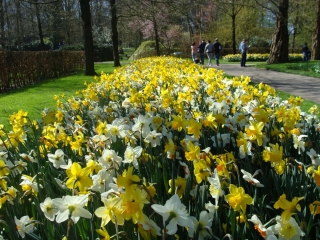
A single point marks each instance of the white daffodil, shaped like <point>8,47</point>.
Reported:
<point>287,230</point>
<point>101,141</point>
<point>215,187</point>
<point>315,157</point>
<point>109,159</point>
<point>203,226</point>
<point>31,157</point>
<point>67,166</point>
<point>24,225</point>
<point>185,169</point>
<point>114,130</point>
<point>264,232</point>
<point>298,142</point>
<point>57,158</point>
<point>250,178</point>
<point>142,125</point>
<point>174,213</point>
<point>131,155</point>
<point>101,181</point>
<point>221,140</point>
<point>71,206</point>
<point>153,138</point>
<point>49,209</point>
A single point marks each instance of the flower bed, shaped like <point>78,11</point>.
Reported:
<point>164,148</point>
<point>252,57</point>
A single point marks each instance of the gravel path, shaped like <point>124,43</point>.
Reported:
<point>306,87</point>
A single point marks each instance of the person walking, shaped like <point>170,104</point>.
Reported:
<point>209,49</point>
<point>243,49</point>
<point>201,47</point>
<point>194,50</point>
<point>217,47</point>
<point>305,51</point>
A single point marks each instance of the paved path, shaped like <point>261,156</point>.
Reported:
<point>306,87</point>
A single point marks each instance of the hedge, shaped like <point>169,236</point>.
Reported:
<point>18,69</point>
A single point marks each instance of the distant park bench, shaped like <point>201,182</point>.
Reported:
<point>124,55</point>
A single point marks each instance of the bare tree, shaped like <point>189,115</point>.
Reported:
<point>87,35</point>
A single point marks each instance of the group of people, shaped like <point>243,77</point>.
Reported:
<point>214,49</point>
<point>210,49</point>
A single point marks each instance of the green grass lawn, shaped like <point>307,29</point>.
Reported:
<point>310,69</point>
<point>35,98</point>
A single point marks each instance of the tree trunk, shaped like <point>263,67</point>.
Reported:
<point>39,28</point>
<point>114,28</point>
<point>279,52</point>
<point>234,48</point>
<point>156,36</point>
<point>88,40</point>
<point>315,50</point>
<point>2,37</point>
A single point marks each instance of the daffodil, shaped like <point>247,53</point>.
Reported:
<point>49,209</point>
<point>128,180</point>
<point>315,207</point>
<point>180,186</point>
<point>148,228</point>
<point>202,227</point>
<point>109,159</point>
<point>78,177</point>
<point>286,229</point>
<point>314,156</point>
<point>103,232</point>
<point>273,154</point>
<point>57,158</point>
<point>201,170</point>
<point>194,128</point>
<point>289,208</point>
<point>263,231</point>
<point>71,207</point>
<point>30,185</point>
<point>250,178</point>
<point>215,187</point>
<point>174,213</point>
<point>131,155</point>
<point>254,132</point>
<point>238,199</point>
<point>111,211</point>
<point>24,225</point>
<point>101,181</point>
<point>193,152</point>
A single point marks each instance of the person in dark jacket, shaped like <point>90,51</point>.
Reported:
<point>305,51</point>
<point>201,47</point>
<point>217,47</point>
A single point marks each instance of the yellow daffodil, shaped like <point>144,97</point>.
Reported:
<point>128,181</point>
<point>254,132</point>
<point>201,170</point>
<point>179,184</point>
<point>111,211</point>
<point>290,208</point>
<point>78,177</point>
<point>238,199</point>
<point>315,207</point>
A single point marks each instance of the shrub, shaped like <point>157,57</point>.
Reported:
<point>259,57</point>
